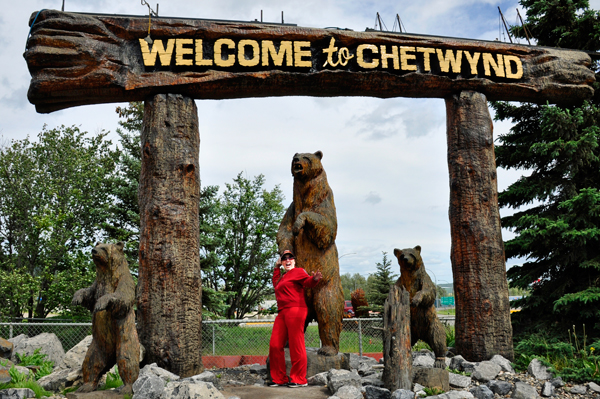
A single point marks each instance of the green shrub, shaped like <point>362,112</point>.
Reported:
<point>113,380</point>
<point>20,380</point>
<point>36,359</point>
<point>450,335</point>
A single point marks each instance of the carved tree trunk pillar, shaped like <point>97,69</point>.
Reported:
<point>169,287</point>
<point>483,326</point>
<point>397,355</point>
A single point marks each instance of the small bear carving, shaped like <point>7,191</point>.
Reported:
<point>308,229</point>
<point>424,323</point>
<point>110,299</point>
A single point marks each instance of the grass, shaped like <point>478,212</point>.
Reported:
<point>447,312</point>
<point>20,380</point>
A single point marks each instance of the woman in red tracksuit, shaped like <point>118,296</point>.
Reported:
<point>289,323</point>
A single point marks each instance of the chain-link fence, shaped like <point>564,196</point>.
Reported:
<point>222,337</point>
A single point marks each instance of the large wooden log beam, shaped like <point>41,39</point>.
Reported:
<point>78,59</point>
<point>397,351</point>
<point>169,284</point>
<point>483,326</point>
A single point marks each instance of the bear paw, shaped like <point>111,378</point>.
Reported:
<point>87,387</point>
<point>440,363</point>
<point>327,351</point>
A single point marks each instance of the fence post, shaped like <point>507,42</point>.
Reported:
<point>213,339</point>
<point>360,348</point>
<point>10,332</point>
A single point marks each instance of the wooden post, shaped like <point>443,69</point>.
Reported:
<point>397,356</point>
<point>483,326</point>
<point>169,285</point>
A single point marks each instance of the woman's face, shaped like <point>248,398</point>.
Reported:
<point>289,264</point>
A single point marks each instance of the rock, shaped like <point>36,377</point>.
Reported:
<point>579,389</point>
<point>421,353</point>
<point>73,359</point>
<point>349,392</point>
<point>538,371</point>
<point>206,376</point>
<point>48,343</point>
<point>16,340</point>
<point>339,378</point>
<point>503,362</point>
<point>557,382</point>
<point>482,392</point>
<point>431,377</point>
<point>316,363</point>
<point>486,371</point>
<point>6,348</point>
<point>365,369</point>
<point>468,367</point>
<point>524,391</point>
<point>402,394</point>
<point>453,395</point>
<point>373,380</point>
<point>456,362</point>
<point>372,392</point>
<point>458,380</point>
<point>166,376</point>
<point>148,386</point>
<point>356,361</point>
<point>17,393</point>
<point>548,389</point>
<point>502,388</point>
<point>23,370</point>
<point>4,376</point>
<point>423,361</point>
<point>55,381</point>
<point>594,387</point>
<point>188,390</point>
<point>318,379</point>
<point>417,387</point>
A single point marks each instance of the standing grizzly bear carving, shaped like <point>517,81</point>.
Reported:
<point>424,323</point>
<point>111,300</point>
<point>308,229</point>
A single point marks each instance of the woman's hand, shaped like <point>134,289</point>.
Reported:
<point>278,263</point>
<point>317,276</point>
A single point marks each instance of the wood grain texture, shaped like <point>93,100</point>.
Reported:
<point>76,59</point>
<point>169,284</point>
<point>483,327</point>
<point>397,348</point>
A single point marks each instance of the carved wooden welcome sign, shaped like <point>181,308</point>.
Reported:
<point>77,59</point>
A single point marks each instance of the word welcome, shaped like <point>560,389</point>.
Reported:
<point>225,53</point>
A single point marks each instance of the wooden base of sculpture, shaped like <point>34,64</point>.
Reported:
<point>483,326</point>
<point>397,372</point>
<point>169,302</point>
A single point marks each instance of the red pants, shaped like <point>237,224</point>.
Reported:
<point>289,326</point>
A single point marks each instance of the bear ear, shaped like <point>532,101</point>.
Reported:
<point>397,253</point>
<point>319,154</point>
<point>418,249</point>
<point>120,245</point>
<point>97,244</point>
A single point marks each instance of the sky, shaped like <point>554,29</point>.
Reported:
<point>386,159</point>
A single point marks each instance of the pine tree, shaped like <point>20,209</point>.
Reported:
<point>378,284</point>
<point>558,203</point>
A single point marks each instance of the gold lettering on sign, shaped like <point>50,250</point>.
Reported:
<point>200,55</point>
<point>230,60</point>
<point>489,61</point>
<point>285,49</point>
<point>343,55</point>
<point>449,59</point>
<point>180,51</point>
<point>149,56</point>
<point>393,56</point>
<point>360,59</point>
<point>254,61</point>
<point>426,52</point>
<point>473,59</point>
<point>408,57</point>
<point>508,59</point>
<point>301,50</point>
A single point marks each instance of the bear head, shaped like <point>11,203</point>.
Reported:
<point>409,259</point>
<point>108,256</point>
<point>307,166</point>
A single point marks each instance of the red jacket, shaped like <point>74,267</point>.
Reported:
<point>289,289</point>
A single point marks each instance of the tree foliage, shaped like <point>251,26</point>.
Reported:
<point>378,284</point>
<point>352,282</point>
<point>54,194</point>
<point>557,204</point>
<point>238,243</point>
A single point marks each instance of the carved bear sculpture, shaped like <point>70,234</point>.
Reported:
<point>308,229</point>
<point>424,323</point>
<point>111,300</point>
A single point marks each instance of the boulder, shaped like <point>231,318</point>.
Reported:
<point>316,363</point>
<point>56,381</point>
<point>339,378</point>
<point>6,348</point>
<point>594,387</point>
<point>524,391</point>
<point>502,388</point>
<point>503,362</point>
<point>453,395</point>
<point>4,376</point>
<point>548,389</point>
<point>578,389</point>
<point>372,380</point>
<point>458,380</point>
<point>148,386</point>
<point>349,392</point>
<point>73,359</point>
<point>402,394</point>
<point>431,377</point>
<point>456,362</point>
<point>318,379</point>
<point>17,393</point>
<point>356,361</point>
<point>423,361</point>
<point>486,371</point>
<point>48,343</point>
<point>537,370</point>
<point>165,375</point>
<point>482,392</point>
<point>16,340</point>
<point>188,390</point>
<point>373,392</point>
<point>557,382</point>
<point>468,367</point>
<point>206,376</point>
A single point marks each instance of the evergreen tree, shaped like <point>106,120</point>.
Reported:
<point>378,284</point>
<point>558,203</point>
